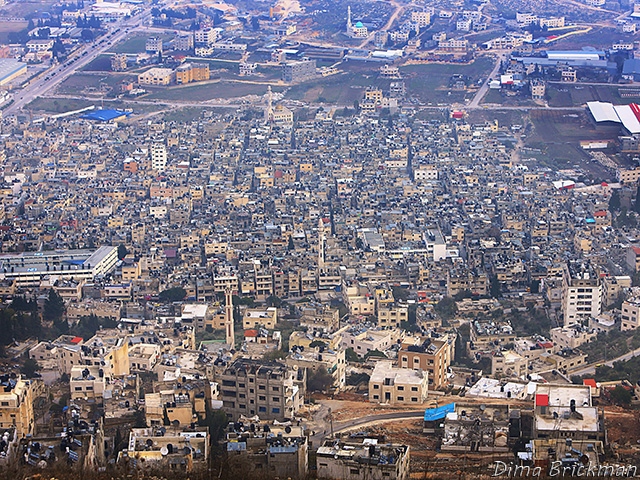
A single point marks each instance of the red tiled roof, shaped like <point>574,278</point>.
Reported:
<point>251,333</point>
<point>591,382</point>
<point>76,340</point>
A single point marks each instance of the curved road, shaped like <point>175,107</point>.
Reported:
<point>591,369</point>
<point>366,421</point>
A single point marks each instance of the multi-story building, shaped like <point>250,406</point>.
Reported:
<point>192,72</point>
<point>275,450</point>
<point>206,36</point>
<point>630,314</point>
<point>156,76</point>
<point>364,459</point>
<point>433,355</point>
<point>153,45</point>
<point>298,71</point>
<point>158,157</point>
<point>581,293</point>
<point>271,390</point>
<point>119,62</point>
<point>564,411</point>
<point>394,385</point>
<point>421,19</point>
<point>16,405</point>
<point>571,336</point>
<point>184,42</point>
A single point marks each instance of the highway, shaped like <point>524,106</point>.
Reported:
<point>52,77</point>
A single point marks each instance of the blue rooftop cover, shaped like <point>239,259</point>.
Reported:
<point>438,413</point>
<point>359,25</point>
<point>104,115</point>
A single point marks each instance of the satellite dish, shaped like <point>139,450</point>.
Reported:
<point>287,429</point>
<point>164,451</point>
<point>149,442</point>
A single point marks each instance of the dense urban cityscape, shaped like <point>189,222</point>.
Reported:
<point>319,239</point>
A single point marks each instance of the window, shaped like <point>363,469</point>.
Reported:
<point>262,398</point>
<point>414,389</point>
<point>401,399</point>
<point>414,399</point>
<point>78,389</point>
<point>276,389</point>
<point>241,385</point>
<point>400,387</point>
<point>242,395</point>
<point>275,410</point>
<point>5,404</point>
<point>90,388</point>
<point>354,471</point>
<point>251,390</point>
<point>376,387</point>
<point>260,387</point>
<point>276,399</point>
<point>242,407</point>
<point>262,409</point>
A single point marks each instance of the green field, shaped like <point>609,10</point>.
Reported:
<point>574,95</point>
<point>135,44</point>
<point>102,63</point>
<point>339,89</point>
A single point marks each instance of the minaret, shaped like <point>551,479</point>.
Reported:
<point>228,317</point>
<point>349,20</point>
<point>321,245</point>
<point>268,114</point>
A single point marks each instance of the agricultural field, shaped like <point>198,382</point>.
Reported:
<point>340,89</point>
<point>575,95</point>
<point>557,135</point>
<point>7,27</point>
<point>429,83</point>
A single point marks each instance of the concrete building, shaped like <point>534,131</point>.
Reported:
<point>153,45</point>
<point>29,268</point>
<point>298,71</point>
<point>271,390</point>
<point>167,449</point>
<point>192,72</point>
<point>206,36</point>
<point>16,405</point>
<point>393,385</point>
<point>433,355</point>
<point>630,314</point>
<point>581,293</point>
<point>360,460</point>
<point>564,411</point>
<point>157,76</point>
<point>158,157</point>
<point>270,449</point>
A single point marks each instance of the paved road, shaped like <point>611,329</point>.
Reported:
<point>591,369</point>
<point>485,86</point>
<point>359,422</point>
<point>52,77</point>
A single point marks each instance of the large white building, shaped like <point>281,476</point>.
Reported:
<point>29,268</point>
<point>159,157</point>
<point>581,293</point>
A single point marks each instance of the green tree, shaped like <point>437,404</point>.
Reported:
<point>446,307</point>
<point>350,355</point>
<point>54,307</point>
<point>291,245</point>
<point>494,287</point>
<point>320,380</point>
<point>614,201</point>
<point>621,395</point>
<point>175,294</point>
<point>122,251</point>
<point>29,367</point>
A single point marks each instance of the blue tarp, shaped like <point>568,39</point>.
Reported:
<point>431,414</point>
<point>105,115</point>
